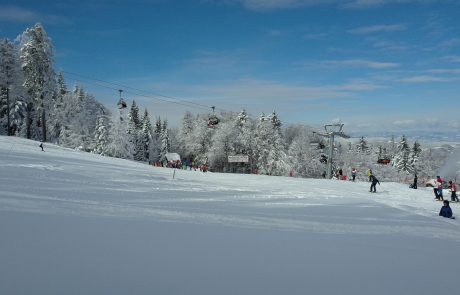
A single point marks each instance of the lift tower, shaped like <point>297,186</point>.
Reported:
<point>332,130</point>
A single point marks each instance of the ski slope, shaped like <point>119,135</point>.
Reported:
<point>79,223</point>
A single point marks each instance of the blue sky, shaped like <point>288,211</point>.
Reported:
<point>373,64</point>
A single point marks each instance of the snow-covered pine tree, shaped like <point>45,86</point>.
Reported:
<point>147,135</point>
<point>304,159</point>
<point>120,145</point>
<point>362,146</point>
<point>414,156</point>
<point>56,116</point>
<point>402,160</point>
<point>185,134</point>
<point>101,137</point>
<point>277,157</point>
<point>133,117</point>
<point>135,132</point>
<point>244,141</point>
<point>222,146</point>
<point>165,145</point>
<point>269,149</point>
<point>36,53</point>
<point>158,128</point>
<point>9,84</point>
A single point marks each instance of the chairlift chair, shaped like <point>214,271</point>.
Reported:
<point>213,120</point>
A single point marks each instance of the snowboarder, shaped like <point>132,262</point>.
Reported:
<point>453,189</point>
<point>374,181</point>
<point>446,211</point>
<point>41,145</point>
<point>369,173</point>
<point>353,173</point>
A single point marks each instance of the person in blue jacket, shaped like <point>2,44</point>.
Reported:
<point>446,211</point>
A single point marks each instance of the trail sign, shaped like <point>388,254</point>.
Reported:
<point>238,159</point>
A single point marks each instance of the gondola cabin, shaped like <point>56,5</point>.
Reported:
<point>121,104</point>
<point>383,161</point>
<point>212,121</point>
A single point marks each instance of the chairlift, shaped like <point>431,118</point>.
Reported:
<point>383,158</point>
<point>383,161</point>
<point>213,120</point>
<point>121,103</point>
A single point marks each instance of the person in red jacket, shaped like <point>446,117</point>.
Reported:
<point>439,188</point>
<point>453,189</point>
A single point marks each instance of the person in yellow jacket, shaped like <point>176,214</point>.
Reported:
<point>369,174</point>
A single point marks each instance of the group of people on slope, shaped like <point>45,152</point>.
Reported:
<point>438,188</point>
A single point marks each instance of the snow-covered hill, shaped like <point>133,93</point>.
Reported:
<point>78,223</point>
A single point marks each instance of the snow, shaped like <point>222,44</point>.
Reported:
<point>79,223</point>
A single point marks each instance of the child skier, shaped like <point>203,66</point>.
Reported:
<point>453,189</point>
<point>353,173</point>
<point>446,211</point>
<point>439,188</point>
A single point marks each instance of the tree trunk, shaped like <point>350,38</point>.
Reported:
<point>28,119</point>
<point>43,125</point>
<point>8,127</point>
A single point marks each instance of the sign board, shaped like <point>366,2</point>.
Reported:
<point>172,157</point>
<point>238,159</point>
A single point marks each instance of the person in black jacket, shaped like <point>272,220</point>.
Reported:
<point>374,181</point>
<point>446,211</point>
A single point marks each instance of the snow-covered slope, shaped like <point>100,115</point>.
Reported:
<point>77,223</point>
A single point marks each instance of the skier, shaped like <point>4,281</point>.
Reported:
<point>374,181</point>
<point>439,188</point>
<point>41,145</point>
<point>353,173</point>
<point>414,186</point>
<point>446,211</point>
<point>453,189</point>
<point>369,173</point>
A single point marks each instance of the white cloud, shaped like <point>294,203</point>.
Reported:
<point>18,15</point>
<point>21,15</point>
<point>447,44</point>
<point>407,122</point>
<point>378,29</point>
<point>426,79</point>
<point>264,5</point>
<point>452,58</point>
<point>445,71</point>
<point>390,46</point>
<point>362,4</point>
<point>360,63</point>
<point>260,5</point>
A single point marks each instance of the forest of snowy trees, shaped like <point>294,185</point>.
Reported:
<point>37,104</point>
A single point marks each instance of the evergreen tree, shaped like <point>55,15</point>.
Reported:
<point>165,145</point>
<point>56,117</point>
<point>362,146</point>
<point>36,54</point>
<point>9,86</point>
<point>120,145</point>
<point>146,135</point>
<point>244,142</point>
<point>414,156</point>
<point>158,128</point>
<point>402,160</point>
<point>101,137</point>
<point>269,149</point>
<point>133,116</point>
